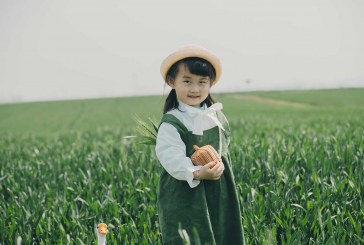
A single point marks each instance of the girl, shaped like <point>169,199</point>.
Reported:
<point>201,200</point>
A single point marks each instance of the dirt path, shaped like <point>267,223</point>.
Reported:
<point>256,98</point>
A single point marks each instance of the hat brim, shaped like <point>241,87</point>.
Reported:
<point>191,51</point>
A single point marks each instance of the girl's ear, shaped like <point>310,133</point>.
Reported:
<point>170,81</point>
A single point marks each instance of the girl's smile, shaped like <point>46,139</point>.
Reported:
<point>191,89</point>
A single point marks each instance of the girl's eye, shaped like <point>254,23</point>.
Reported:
<point>186,81</point>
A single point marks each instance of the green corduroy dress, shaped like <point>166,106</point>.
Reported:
<point>209,212</point>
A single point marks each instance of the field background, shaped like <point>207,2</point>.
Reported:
<point>298,159</point>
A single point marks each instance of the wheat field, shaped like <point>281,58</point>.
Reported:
<point>298,160</point>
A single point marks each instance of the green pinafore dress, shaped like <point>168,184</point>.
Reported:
<point>210,212</point>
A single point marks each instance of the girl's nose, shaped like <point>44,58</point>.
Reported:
<point>194,88</point>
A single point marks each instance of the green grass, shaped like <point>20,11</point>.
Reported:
<point>57,117</point>
<point>298,159</point>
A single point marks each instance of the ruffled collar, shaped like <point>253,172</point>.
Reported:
<point>200,115</point>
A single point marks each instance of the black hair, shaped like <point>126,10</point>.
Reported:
<point>196,66</point>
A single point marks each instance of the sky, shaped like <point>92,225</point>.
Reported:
<point>70,49</point>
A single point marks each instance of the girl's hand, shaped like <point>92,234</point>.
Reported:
<point>210,171</point>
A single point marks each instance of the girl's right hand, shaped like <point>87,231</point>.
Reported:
<point>212,170</point>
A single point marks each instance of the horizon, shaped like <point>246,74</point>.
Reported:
<point>165,94</point>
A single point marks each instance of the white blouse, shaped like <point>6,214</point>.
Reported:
<point>171,150</point>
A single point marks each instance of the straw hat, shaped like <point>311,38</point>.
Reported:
<point>191,50</point>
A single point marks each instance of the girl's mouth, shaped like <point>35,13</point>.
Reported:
<point>194,97</point>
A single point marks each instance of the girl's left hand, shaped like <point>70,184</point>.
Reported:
<point>212,171</point>
<point>218,169</point>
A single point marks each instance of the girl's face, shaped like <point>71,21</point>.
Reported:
<point>190,89</point>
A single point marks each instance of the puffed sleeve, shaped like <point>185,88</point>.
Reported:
<point>171,152</point>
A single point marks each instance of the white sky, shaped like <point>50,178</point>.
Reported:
<point>83,48</point>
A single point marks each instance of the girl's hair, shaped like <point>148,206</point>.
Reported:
<point>196,66</point>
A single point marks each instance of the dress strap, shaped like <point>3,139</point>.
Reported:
<point>175,122</point>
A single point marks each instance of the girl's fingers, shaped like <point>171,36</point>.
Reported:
<point>218,172</point>
<point>214,169</point>
<point>210,164</point>
<point>217,165</point>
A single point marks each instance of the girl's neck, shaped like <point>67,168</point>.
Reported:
<point>188,106</point>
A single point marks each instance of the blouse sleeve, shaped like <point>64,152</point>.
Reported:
<point>171,152</point>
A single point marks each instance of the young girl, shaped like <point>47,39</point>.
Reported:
<point>201,200</point>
